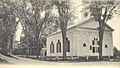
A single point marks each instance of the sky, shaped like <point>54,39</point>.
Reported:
<point>18,32</point>
<point>114,23</point>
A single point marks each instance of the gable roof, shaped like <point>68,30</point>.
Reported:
<point>91,24</point>
<point>83,24</point>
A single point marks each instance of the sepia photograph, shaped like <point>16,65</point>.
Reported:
<point>59,33</point>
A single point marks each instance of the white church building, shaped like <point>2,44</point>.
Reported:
<point>83,40</point>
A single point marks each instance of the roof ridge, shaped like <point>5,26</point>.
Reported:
<point>79,24</point>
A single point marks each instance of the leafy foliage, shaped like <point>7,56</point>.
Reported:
<point>101,11</point>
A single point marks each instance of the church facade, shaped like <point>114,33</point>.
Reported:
<point>83,41</point>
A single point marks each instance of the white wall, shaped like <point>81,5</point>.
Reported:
<point>87,35</point>
<point>108,39</point>
<point>78,37</point>
<point>55,37</point>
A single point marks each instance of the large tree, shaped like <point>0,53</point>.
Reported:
<point>101,11</point>
<point>63,7</point>
<point>8,25</point>
<point>35,16</point>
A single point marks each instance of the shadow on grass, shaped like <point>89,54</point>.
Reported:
<point>3,61</point>
<point>8,55</point>
<point>75,60</point>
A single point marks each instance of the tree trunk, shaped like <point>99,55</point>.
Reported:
<point>63,30</point>
<point>64,43</point>
<point>100,42</point>
<point>101,34</point>
<point>37,49</point>
<point>11,44</point>
<point>63,11</point>
<point>4,44</point>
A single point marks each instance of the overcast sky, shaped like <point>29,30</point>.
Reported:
<point>115,24</point>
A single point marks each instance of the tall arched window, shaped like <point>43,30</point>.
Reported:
<point>58,46</point>
<point>68,45</point>
<point>93,49</point>
<point>93,43</point>
<point>52,47</point>
<point>90,47</point>
<point>98,43</point>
